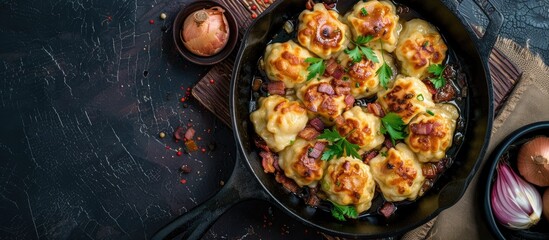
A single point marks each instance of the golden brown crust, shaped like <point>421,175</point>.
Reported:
<point>361,128</point>
<point>321,32</point>
<point>328,106</point>
<point>297,164</point>
<point>286,62</point>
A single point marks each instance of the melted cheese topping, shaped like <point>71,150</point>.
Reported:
<point>348,181</point>
<point>399,174</point>
<point>326,105</point>
<point>321,32</point>
<point>419,45</point>
<point>286,62</point>
<point>364,81</point>
<point>278,121</point>
<point>432,147</point>
<point>381,22</point>
<point>403,99</point>
<point>362,129</point>
<point>297,164</point>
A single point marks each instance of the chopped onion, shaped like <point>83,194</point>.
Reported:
<point>516,204</point>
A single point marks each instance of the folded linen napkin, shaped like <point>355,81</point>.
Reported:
<point>525,105</point>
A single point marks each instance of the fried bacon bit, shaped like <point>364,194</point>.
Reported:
<point>189,134</point>
<point>308,133</point>
<point>191,145</point>
<point>261,144</point>
<point>388,143</point>
<point>309,5</point>
<point>343,90</point>
<point>422,128</point>
<point>331,66</point>
<point>387,209</point>
<point>442,164</point>
<point>317,124</point>
<point>317,150</point>
<point>349,100</point>
<point>276,87</point>
<point>445,94</point>
<point>288,183</point>
<point>313,200</point>
<point>267,161</point>
<point>430,86</point>
<point>326,88</point>
<point>376,109</point>
<point>346,165</point>
<point>369,156</point>
<point>429,170</point>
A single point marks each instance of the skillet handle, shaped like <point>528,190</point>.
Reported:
<point>495,18</point>
<point>194,223</point>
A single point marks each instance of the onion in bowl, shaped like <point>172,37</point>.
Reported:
<point>206,32</point>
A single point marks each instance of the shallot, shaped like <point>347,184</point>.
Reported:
<point>516,203</point>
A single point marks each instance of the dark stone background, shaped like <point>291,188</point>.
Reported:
<point>87,85</point>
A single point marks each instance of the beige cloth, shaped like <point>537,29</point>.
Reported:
<point>526,104</point>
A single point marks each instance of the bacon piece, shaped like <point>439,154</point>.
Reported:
<point>326,88</point>
<point>388,143</point>
<point>313,200</point>
<point>178,133</point>
<point>376,109</point>
<point>317,124</point>
<point>267,161</point>
<point>445,94</point>
<point>387,209</point>
<point>422,128</point>
<point>429,170</point>
<point>286,182</point>
<point>349,100</point>
<point>261,144</point>
<point>343,90</point>
<point>317,150</point>
<point>331,66</point>
<point>276,87</point>
<point>430,86</point>
<point>189,134</point>
<point>338,73</point>
<point>369,156</point>
<point>308,133</point>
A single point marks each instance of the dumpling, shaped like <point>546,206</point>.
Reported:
<point>286,62</point>
<point>321,32</point>
<point>361,129</point>
<point>299,166</point>
<point>348,181</point>
<point>431,135</point>
<point>419,45</point>
<point>407,98</point>
<point>377,19</point>
<point>326,97</point>
<point>398,173</point>
<point>278,121</point>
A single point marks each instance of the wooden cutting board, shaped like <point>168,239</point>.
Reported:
<point>214,95</point>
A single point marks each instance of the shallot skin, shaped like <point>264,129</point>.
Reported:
<point>206,37</point>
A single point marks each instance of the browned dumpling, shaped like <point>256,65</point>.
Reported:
<point>430,134</point>
<point>377,19</point>
<point>325,97</point>
<point>362,129</point>
<point>286,62</point>
<point>419,45</point>
<point>348,181</point>
<point>299,166</point>
<point>408,97</point>
<point>278,121</point>
<point>398,173</point>
<point>321,32</point>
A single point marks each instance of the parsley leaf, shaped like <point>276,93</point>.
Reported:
<point>385,73</point>
<point>363,12</point>
<point>392,123</point>
<point>437,69</point>
<point>340,212</point>
<point>356,53</point>
<point>339,146</point>
<point>315,68</point>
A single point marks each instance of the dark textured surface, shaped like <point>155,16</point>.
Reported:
<point>79,152</point>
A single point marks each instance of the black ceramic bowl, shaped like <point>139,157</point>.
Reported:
<point>508,149</point>
<point>178,26</point>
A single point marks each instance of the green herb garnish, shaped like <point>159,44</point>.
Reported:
<point>315,68</point>
<point>383,154</point>
<point>430,112</point>
<point>437,70</point>
<point>340,212</point>
<point>359,51</point>
<point>384,72</point>
<point>392,123</point>
<point>338,147</point>
<point>420,97</point>
<point>363,12</point>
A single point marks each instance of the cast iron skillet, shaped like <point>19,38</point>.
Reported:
<point>473,54</point>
